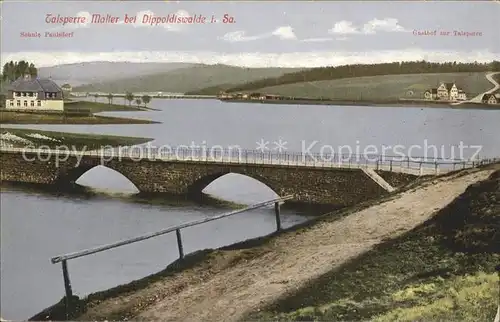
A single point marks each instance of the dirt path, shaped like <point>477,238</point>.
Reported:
<point>230,285</point>
<point>479,98</point>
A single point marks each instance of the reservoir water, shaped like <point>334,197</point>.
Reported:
<point>36,225</point>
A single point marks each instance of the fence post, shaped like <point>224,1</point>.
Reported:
<point>421,169</point>
<point>277,213</point>
<point>497,317</point>
<point>67,287</point>
<point>408,162</point>
<point>67,282</point>
<point>435,167</point>
<point>463,165</point>
<point>179,243</point>
<point>390,165</point>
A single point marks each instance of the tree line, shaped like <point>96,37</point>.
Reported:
<point>360,70</point>
<point>13,70</point>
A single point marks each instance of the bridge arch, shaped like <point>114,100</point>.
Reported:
<point>204,181</point>
<point>72,175</point>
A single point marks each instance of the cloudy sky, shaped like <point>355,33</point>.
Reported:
<point>262,34</point>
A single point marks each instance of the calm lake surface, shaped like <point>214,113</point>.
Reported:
<point>37,225</point>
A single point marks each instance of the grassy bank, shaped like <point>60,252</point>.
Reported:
<point>441,270</point>
<point>397,69</point>
<point>75,112</point>
<point>96,107</point>
<point>383,103</point>
<point>381,88</point>
<point>24,137</point>
<point>8,117</point>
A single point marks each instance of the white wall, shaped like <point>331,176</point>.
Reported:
<point>32,104</point>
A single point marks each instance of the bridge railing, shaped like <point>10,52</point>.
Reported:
<point>177,229</point>
<point>409,164</point>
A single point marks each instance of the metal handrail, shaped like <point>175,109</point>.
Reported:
<point>184,153</point>
<point>64,258</point>
<point>411,165</point>
<point>90,251</point>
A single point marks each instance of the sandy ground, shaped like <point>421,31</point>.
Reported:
<point>232,284</point>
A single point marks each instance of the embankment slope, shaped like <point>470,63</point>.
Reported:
<point>230,284</point>
<point>442,270</point>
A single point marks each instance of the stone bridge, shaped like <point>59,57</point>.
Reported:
<point>188,173</point>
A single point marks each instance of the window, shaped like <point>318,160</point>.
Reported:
<point>12,103</point>
<point>30,94</point>
<point>18,94</point>
<point>25,103</point>
<point>24,94</point>
<point>39,103</point>
<point>19,103</point>
<point>32,103</point>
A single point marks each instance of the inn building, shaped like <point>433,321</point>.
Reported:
<point>446,92</point>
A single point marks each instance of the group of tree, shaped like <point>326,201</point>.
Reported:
<point>360,70</point>
<point>138,100</point>
<point>13,70</point>
<point>128,97</point>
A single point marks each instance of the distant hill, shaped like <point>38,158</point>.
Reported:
<point>186,79</point>
<point>386,87</point>
<point>92,72</point>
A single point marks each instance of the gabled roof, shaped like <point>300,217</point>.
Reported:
<point>487,96</point>
<point>448,86</point>
<point>34,85</point>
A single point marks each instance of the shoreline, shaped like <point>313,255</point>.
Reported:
<point>75,112</point>
<point>388,103</point>
<point>9,117</point>
<point>26,137</point>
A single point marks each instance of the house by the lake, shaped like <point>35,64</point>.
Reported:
<point>431,94</point>
<point>461,95</point>
<point>491,99</point>
<point>34,94</point>
<point>446,92</point>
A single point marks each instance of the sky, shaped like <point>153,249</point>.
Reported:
<point>254,34</point>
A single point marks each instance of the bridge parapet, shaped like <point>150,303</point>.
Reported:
<point>410,165</point>
<point>338,180</point>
